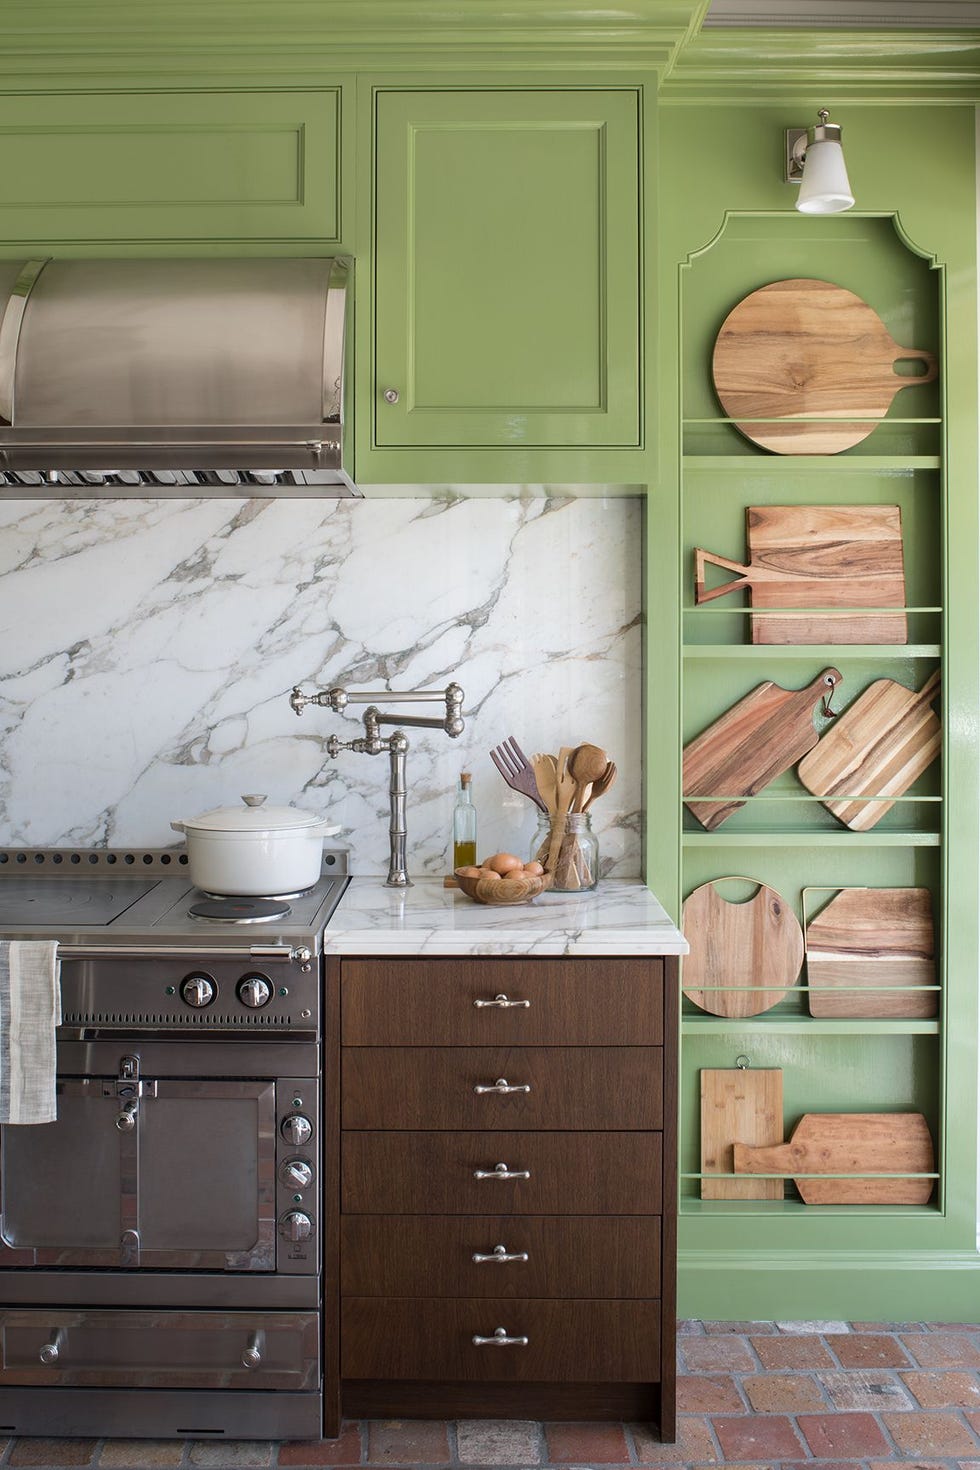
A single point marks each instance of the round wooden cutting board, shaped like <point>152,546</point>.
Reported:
<point>809,348</point>
<point>755,943</point>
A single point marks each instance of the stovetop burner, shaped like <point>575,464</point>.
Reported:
<point>240,910</point>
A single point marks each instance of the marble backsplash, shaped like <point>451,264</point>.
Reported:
<point>148,647</point>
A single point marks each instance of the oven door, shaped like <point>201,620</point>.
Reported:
<point>182,1177</point>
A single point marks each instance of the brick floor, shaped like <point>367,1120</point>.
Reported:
<point>751,1395</point>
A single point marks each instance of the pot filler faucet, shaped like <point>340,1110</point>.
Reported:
<point>396,744</point>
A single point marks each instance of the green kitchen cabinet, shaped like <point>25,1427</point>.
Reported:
<point>506,274</point>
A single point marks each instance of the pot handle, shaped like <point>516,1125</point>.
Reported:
<point>178,826</point>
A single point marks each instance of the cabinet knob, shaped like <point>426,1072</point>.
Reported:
<point>391,395</point>
<point>500,1255</point>
<point>51,1351</point>
<point>501,1171</point>
<point>502,1085</point>
<point>500,1339</point>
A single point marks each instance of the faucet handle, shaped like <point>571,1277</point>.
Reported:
<point>298,700</point>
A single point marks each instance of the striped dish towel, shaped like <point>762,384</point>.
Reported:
<point>30,1010</point>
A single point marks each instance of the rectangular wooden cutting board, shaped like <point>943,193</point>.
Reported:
<point>859,1145</point>
<point>872,937</point>
<point>739,1105</point>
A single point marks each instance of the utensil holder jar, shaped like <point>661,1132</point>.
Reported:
<point>569,850</point>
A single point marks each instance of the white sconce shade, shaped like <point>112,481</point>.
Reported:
<point>817,158</point>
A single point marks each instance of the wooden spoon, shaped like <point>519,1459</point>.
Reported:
<point>545,769</point>
<point>565,792</point>
<point>587,763</point>
<point>602,785</point>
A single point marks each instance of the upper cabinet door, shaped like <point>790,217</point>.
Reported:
<point>507,269</point>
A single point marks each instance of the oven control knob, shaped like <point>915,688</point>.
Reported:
<point>254,991</point>
<point>296,1128</point>
<point>198,990</point>
<point>296,1226</point>
<point>297,1173</point>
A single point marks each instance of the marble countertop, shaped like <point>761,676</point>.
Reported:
<point>621,917</point>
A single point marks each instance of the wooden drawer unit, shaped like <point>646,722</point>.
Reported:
<point>507,1159</point>
<point>503,1087</point>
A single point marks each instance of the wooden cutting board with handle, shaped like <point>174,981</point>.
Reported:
<point>871,937</point>
<point>750,745</point>
<point>850,1144</point>
<point>739,1103</point>
<point>879,746</point>
<point>800,349</point>
<point>757,944</point>
<point>818,556</point>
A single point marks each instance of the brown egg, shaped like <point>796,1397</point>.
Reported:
<point>469,872</point>
<point>489,873</point>
<point>503,862</point>
<point>534,870</point>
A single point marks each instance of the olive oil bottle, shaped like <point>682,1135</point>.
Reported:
<point>464,825</point>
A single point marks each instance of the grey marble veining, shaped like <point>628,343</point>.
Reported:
<point>147,648</point>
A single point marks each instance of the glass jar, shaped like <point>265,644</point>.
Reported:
<point>576,865</point>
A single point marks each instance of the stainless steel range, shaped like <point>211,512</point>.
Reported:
<point>159,1243</point>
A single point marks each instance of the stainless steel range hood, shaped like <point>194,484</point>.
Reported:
<point>123,377</point>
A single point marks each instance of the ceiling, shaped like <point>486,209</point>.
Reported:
<point>844,14</point>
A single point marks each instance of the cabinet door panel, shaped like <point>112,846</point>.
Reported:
<point>569,1087</point>
<point>507,268</point>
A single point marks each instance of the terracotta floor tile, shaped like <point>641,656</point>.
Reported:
<point>699,1394</point>
<point>694,1445</point>
<point>783,1393</point>
<point>945,1390</point>
<point>222,1454</point>
<point>758,1437</point>
<point>717,1355</point>
<point>865,1388</point>
<point>788,1351</point>
<point>408,1442</point>
<point>690,1327</point>
<point>586,1444</point>
<point>843,1436</point>
<point>868,1350</point>
<point>942,1349</point>
<point>141,1452</point>
<point>797,1328</point>
<point>756,1328</point>
<point>499,1442</point>
<point>345,1450</point>
<point>931,1434</point>
<point>52,1451</point>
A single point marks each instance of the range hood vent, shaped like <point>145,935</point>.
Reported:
<point>128,377</point>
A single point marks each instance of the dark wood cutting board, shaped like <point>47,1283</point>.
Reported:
<point>751,744</point>
<point>870,937</point>
<point>851,1143</point>
<point>818,556</point>
<point>879,746</point>
<point>757,944</point>
<point>810,349</point>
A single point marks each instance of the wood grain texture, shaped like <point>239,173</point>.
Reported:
<point>879,746</point>
<point>806,348</point>
<point>432,1173</point>
<point>572,1087</point>
<point>591,1341</point>
<point>751,744</point>
<point>818,556</point>
<point>871,937</point>
<point>851,1143</point>
<point>371,1398</point>
<point>573,1002</point>
<point>432,1255</point>
<point>744,1104</point>
<point>758,944</point>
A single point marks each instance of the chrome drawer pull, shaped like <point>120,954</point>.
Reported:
<point>501,1171</point>
<point>51,1351</point>
<point>499,1339</point>
<point>252,1355</point>
<point>502,1085</point>
<point>500,1254</point>
<point>502,1002</point>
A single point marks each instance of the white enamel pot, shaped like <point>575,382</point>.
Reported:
<point>254,849</point>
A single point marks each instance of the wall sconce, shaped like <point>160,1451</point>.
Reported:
<point>815,161</point>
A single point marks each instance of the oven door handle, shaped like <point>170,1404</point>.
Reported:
<point>284,953</point>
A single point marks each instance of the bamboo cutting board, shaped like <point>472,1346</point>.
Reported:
<point>877,747</point>
<point>818,556</point>
<point>745,1104</point>
<point>756,944</point>
<point>850,1143</point>
<point>872,937</point>
<point>800,349</point>
<point>750,745</point>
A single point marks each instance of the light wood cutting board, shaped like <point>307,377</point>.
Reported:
<point>740,1103</point>
<point>751,744</point>
<point>879,746</point>
<point>756,944</point>
<point>851,1143</point>
<point>800,349</point>
<point>872,937</point>
<point>818,556</point>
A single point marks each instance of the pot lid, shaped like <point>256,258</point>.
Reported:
<point>255,816</point>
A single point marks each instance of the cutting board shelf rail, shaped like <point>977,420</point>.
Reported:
<point>748,623</point>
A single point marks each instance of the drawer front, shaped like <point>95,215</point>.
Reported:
<point>429,1256</point>
<point>577,1002</point>
<point>570,1342</point>
<point>567,1087</point>
<point>434,1173</point>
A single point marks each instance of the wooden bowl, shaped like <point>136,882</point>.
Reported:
<point>503,890</point>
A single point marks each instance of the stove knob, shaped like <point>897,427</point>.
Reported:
<point>296,1173</point>
<point>198,990</point>
<point>296,1128</point>
<point>254,991</point>
<point>296,1226</point>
